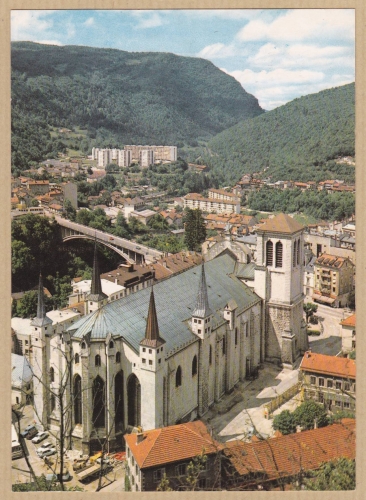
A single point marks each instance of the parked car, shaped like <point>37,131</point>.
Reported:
<point>44,447</point>
<point>40,437</point>
<point>31,433</point>
<point>48,452</point>
<point>27,429</point>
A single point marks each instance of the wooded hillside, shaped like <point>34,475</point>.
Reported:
<point>297,141</point>
<point>118,97</point>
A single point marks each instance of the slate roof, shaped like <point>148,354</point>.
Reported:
<point>282,223</point>
<point>330,365</point>
<point>21,372</point>
<point>171,444</point>
<point>245,271</point>
<point>175,299</point>
<point>286,456</point>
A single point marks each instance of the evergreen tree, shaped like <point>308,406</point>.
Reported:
<point>195,229</point>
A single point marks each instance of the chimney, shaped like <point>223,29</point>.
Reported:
<point>139,437</point>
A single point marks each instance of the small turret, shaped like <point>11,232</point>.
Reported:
<point>96,298</point>
<point>152,345</point>
<point>201,316</point>
<point>41,319</point>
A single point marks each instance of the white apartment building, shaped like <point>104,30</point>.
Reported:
<point>163,153</point>
<point>195,200</point>
<point>221,194</point>
<point>124,158</point>
<point>146,157</point>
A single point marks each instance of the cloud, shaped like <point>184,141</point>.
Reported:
<point>147,19</point>
<point>89,22</point>
<point>275,88</point>
<point>27,24</point>
<point>303,24</point>
<point>218,50</point>
<point>302,55</point>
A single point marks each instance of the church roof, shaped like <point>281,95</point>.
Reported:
<point>175,300</point>
<point>281,223</point>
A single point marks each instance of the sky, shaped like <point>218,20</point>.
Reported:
<point>276,55</point>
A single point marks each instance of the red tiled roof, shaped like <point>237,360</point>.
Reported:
<point>350,321</point>
<point>171,444</point>
<point>286,456</point>
<point>331,365</point>
<point>329,260</point>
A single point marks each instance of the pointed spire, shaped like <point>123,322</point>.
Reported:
<point>202,309</point>
<point>96,293</point>
<point>152,337</point>
<point>41,319</point>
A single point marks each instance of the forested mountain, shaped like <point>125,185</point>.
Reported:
<point>118,97</point>
<point>297,141</point>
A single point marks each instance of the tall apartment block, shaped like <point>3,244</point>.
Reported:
<point>167,153</point>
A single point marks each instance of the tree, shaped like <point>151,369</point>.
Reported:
<point>195,229</point>
<point>26,307</point>
<point>34,203</point>
<point>352,300</point>
<point>158,223</point>
<point>336,475</point>
<point>164,484</point>
<point>310,309</point>
<point>69,210</point>
<point>284,422</point>
<point>309,413</point>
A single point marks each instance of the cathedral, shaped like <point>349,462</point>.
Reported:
<point>165,354</point>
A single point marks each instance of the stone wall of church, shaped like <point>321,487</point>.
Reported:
<point>278,319</point>
<point>182,400</point>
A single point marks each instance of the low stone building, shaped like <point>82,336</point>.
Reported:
<point>348,331</point>
<point>168,451</point>
<point>330,380</point>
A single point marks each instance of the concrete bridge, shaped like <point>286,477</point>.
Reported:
<point>130,251</point>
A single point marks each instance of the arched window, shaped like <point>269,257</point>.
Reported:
<point>298,252</point>
<point>98,402</point>
<point>210,356</point>
<point>118,399</point>
<point>77,358</point>
<point>52,374</point>
<point>269,253</point>
<point>77,401</point>
<point>133,401</point>
<point>236,335</point>
<point>194,366</point>
<point>52,402</point>
<point>279,251</point>
<point>118,357</point>
<point>178,377</point>
<point>97,360</point>
<point>111,344</point>
<point>223,345</point>
<point>294,254</point>
<point>83,345</point>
